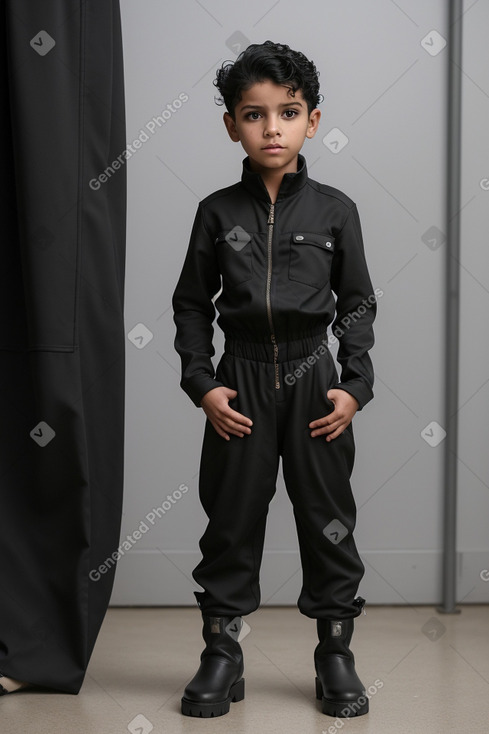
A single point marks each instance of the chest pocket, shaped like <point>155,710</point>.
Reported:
<point>311,255</point>
<point>234,254</point>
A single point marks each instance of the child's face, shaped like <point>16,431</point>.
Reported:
<point>271,125</point>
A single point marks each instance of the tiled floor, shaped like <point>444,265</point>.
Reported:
<point>425,673</point>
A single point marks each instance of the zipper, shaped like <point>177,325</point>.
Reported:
<point>271,222</point>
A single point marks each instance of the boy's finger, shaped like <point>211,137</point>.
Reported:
<point>320,432</point>
<point>229,424</point>
<point>220,432</point>
<point>335,434</point>
<point>239,417</point>
<point>224,432</point>
<point>319,422</point>
<point>238,430</point>
<point>333,428</point>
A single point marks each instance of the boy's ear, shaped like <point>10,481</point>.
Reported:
<point>313,123</point>
<point>231,127</point>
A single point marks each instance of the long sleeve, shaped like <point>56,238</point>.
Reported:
<point>194,312</point>
<point>356,308</point>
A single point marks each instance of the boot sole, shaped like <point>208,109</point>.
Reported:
<point>338,708</point>
<point>208,710</point>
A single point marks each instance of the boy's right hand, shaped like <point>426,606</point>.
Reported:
<point>225,420</point>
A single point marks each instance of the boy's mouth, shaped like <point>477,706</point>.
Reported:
<point>272,146</point>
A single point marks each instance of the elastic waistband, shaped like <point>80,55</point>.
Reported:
<point>287,351</point>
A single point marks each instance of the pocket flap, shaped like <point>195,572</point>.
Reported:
<point>325,241</point>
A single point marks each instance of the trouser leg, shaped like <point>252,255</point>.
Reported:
<point>237,482</point>
<point>317,477</point>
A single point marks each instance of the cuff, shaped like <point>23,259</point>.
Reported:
<point>198,385</point>
<point>360,391</point>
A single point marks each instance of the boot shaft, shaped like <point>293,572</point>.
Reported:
<point>335,634</point>
<point>334,637</point>
<point>221,637</point>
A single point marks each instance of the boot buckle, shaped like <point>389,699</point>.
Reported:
<point>336,629</point>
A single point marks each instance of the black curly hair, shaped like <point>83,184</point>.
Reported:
<point>261,62</point>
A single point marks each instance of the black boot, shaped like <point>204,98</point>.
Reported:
<point>218,680</point>
<point>337,684</point>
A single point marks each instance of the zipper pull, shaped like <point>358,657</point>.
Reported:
<point>271,214</point>
<point>275,362</point>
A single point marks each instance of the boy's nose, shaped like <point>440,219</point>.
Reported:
<point>272,129</point>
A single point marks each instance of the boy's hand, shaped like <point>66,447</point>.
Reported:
<point>225,420</point>
<point>345,407</point>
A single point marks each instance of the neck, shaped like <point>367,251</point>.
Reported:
<point>272,183</point>
<point>272,180</point>
<point>267,187</point>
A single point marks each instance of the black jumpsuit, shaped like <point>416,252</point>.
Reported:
<point>279,264</point>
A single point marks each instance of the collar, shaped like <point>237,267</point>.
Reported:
<point>291,182</point>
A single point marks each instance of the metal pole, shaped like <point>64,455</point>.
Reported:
<point>452,304</point>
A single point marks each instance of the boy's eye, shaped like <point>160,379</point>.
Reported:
<point>288,114</point>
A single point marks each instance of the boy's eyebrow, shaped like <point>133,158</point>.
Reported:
<point>260,107</point>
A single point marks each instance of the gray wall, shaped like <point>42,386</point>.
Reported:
<point>387,94</point>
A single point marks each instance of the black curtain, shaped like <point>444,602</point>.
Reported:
<point>62,258</point>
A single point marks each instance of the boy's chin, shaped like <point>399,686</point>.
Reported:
<point>273,163</point>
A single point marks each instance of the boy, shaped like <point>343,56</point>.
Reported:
<point>282,245</point>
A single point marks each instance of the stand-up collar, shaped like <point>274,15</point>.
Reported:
<point>291,182</point>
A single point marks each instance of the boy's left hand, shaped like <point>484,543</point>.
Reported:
<point>333,424</point>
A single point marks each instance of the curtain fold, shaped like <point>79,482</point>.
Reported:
<point>61,332</point>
